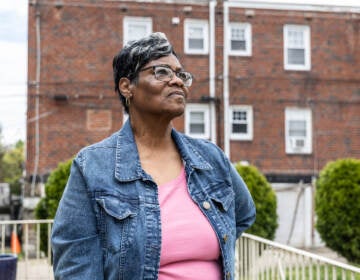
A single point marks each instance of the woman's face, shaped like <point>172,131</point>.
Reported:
<point>155,97</point>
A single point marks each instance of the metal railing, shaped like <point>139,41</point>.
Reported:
<point>259,258</point>
<point>24,230</point>
<point>28,239</point>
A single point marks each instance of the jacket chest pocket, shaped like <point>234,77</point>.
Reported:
<point>222,197</point>
<point>117,219</point>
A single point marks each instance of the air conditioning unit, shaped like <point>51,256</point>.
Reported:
<point>297,143</point>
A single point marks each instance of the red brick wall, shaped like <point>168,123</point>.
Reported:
<point>80,38</point>
<point>331,89</point>
<point>78,42</point>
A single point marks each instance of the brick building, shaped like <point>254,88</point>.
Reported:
<point>276,85</point>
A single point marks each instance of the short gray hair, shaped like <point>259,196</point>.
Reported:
<point>135,54</point>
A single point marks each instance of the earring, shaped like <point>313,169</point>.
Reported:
<point>127,101</point>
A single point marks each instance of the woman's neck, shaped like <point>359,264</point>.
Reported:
<point>152,134</point>
<point>157,150</point>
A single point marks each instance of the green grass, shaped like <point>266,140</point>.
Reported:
<point>314,272</point>
<point>319,273</point>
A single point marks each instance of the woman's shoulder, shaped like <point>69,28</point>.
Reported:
<point>201,142</point>
<point>108,143</point>
<point>203,146</point>
<point>97,157</point>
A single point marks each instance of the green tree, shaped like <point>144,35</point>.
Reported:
<point>13,166</point>
<point>265,201</point>
<point>2,152</point>
<point>337,207</point>
<point>54,188</point>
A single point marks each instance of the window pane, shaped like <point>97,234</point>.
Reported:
<point>195,32</point>
<point>238,45</point>
<point>197,117</point>
<point>197,128</point>
<point>296,56</point>
<point>239,128</point>
<point>297,128</point>
<point>296,39</point>
<point>196,43</point>
<point>237,34</point>
<point>136,31</point>
<point>239,116</point>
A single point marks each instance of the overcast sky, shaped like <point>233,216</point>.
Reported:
<point>13,68</point>
<point>13,63</point>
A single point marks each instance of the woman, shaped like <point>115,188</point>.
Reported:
<point>149,202</point>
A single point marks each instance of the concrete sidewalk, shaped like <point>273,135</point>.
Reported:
<point>34,270</point>
<point>327,253</point>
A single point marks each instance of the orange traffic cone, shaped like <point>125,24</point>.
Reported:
<point>15,243</point>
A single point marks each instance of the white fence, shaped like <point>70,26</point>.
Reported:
<point>28,239</point>
<point>257,258</point>
<point>30,234</point>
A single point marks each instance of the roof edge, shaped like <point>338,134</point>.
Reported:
<point>292,6</point>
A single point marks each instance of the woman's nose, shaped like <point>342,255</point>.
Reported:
<point>176,80</point>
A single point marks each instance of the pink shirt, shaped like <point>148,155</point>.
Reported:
<point>189,248</point>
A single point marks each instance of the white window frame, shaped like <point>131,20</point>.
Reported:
<point>196,108</point>
<point>248,39</point>
<point>292,142</point>
<point>188,23</point>
<point>145,21</point>
<point>306,45</point>
<point>250,122</point>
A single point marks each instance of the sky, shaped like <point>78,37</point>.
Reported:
<point>13,69</point>
<point>13,63</point>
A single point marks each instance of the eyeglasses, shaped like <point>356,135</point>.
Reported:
<point>164,73</point>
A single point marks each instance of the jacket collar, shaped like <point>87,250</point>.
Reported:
<point>127,161</point>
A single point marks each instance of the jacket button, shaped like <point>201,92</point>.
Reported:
<point>225,237</point>
<point>206,205</point>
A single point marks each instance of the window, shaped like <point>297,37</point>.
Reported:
<point>136,28</point>
<point>298,131</point>
<point>241,118</point>
<point>297,47</point>
<point>240,39</point>
<point>197,122</point>
<point>196,36</point>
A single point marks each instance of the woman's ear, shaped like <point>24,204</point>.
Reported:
<point>124,87</point>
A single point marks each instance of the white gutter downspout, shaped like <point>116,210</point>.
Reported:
<point>226,81</point>
<point>212,46</point>
<point>37,95</point>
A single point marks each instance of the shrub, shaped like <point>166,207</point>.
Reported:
<point>265,201</point>
<point>338,209</point>
<point>54,188</point>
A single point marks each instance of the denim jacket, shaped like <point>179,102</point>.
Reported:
<point>108,226</point>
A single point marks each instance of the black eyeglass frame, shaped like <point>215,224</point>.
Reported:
<point>187,82</point>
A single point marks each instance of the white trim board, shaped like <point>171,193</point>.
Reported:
<point>287,5</point>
